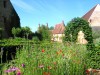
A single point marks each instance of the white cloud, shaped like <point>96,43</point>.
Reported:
<point>23,5</point>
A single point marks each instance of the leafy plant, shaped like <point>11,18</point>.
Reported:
<point>96,34</point>
<point>48,59</point>
<point>16,31</point>
<point>76,25</point>
<point>26,31</point>
<point>45,33</point>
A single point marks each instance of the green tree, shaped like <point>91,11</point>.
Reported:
<point>26,31</point>
<point>16,31</point>
<point>45,33</point>
<point>51,28</point>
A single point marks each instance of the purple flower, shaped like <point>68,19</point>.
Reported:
<point>23,65</point>
<point>18,73</point>
<point>12,69</point>
<point>9,70</point>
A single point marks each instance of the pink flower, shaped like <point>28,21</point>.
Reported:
<point>18,73</point>
<point>41,66</point>
<point>12,69</point>
<point>9,70</point>
<point>23,65</point>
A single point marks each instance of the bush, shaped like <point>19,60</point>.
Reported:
<point>94,60</point>
<point>76,25</point>
<point>44,33</point>
<point>96,34</point>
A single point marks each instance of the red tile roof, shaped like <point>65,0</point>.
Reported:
<point>59,28</point>
<point>89,13</point>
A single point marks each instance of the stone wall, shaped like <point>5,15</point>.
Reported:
<point>58,37</point>
<point>8,18</point>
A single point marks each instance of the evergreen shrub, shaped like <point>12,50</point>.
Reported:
<point>76,25</point>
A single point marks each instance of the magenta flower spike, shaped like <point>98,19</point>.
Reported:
<point>23,65</point>
<point>12,69</point>
<point>18,73</point>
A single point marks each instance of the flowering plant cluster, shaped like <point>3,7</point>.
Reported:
<point>49,60</point>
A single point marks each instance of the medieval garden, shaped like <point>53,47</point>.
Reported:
<point>65,49</point>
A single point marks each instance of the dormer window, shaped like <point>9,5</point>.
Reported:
<point>4,4</point>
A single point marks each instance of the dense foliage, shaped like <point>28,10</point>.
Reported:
<point>94,57</point>
<point>96,34</point>
<point>76,25</point>
<point>48,59</point>
<point>23,32</point>
<point>51,28</point>
<point>16,31</point>
<point>71,32</point>
<point>44,32</point>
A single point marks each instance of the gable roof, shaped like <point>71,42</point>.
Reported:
<point>59,28</point>
<point>89,13</point>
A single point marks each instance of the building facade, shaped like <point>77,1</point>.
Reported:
<point>8,18</point>
<point>58,32</point>
<point>93,17</point>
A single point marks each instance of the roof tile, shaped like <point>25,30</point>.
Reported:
<point>59,28</point>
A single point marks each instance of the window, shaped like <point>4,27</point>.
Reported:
<point>4,4</point>
<point>90,20</point>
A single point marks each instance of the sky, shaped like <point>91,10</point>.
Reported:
<point>35,12</point>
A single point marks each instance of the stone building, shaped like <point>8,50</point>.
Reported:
<point>93,17</point>
<point>58,32</point>
<point>8,18</point>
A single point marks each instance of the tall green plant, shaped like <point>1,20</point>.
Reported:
<point>45,33</point>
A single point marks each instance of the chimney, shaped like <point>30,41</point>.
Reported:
<point>47,24</point>
<point>63,22</point>
<point>39,25</point>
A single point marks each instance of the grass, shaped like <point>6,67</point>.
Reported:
<point>49,59</point>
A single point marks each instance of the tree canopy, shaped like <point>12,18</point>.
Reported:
<point>45,33</point>
<point>22,32</point>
